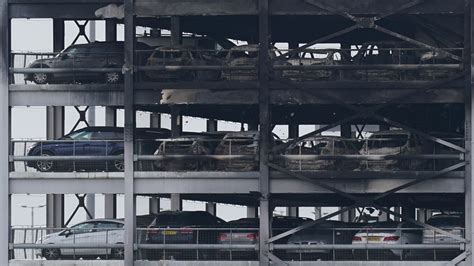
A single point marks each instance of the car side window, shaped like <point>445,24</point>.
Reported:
<point>106,226</point>
<point>83,135</point>
<point>78,52</point>
<point>104,135</point>
<point>82,228</point>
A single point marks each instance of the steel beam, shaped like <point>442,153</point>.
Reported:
<point>129,128</point>
<point>468,129</point>
<point>265,132</point>
<point>4,132</point>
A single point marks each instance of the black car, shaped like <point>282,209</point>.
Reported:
<point>93,141</point>
<point>91,55</point>
<point>182,227</point>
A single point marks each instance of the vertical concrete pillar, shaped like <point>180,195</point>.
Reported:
<point>348,216</point>
<point>176,122</point>
<point>154,205</point>
<point>252,212</point>
<point>155,120</point>
<point>211,208</point>
<point>176,33</point>
<point>176,202</point>
<point>110,200</point>
<point>399,211</point>
<point>409,212</point>
<point>318,212</point>
<point>292,211</point>
<point>346,131</point>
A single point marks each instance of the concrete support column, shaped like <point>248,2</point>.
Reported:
<point>292,211</point>
<point>176,122</point>
<point>383,217</point>
<point>346,131</point>
<point>176,33</point>
<point>4,133</point>
<point>211,208</point>
<point>176,202</point>
<point>154,205</point>
<point>348,216</point>
<point>253,126</point>
<point>155,120</point>
<point>110,200</point>
<point>252,212</point>
<point>211,125</point>
<point>409,211</point>
<point>318,213</point>
<point>399,211</point>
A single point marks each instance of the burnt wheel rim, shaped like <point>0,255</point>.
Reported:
<point>51,253</point>
<point>119,165</point>
<point>44,166</point>
<point>112,77</point>
<point>118,253</point>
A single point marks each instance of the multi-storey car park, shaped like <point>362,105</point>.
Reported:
<point>404,64</point>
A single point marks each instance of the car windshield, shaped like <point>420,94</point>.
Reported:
<point>445,221</point>
<point>81,135</point>
<point>387,141</point>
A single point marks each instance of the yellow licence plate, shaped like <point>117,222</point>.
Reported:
<point>170,233</point>
<point>373,238</point>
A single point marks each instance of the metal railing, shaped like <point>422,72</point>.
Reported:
<point>196,153</point>
<point>191,243</point>
<point>181,64</point>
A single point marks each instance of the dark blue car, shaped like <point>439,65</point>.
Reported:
<point>93,141</point>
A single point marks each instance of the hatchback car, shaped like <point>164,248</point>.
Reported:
<point>238,143</point>
<point>182,56</point>
<point>94,232</point>
<point>186,145</point>
<point>327,145</point>
<point>393,142</point>
<point>91,55</point>
<point>388,233</point>
<point>182,227</point>
<point>92,141</point>
<point>452,223</point>
<point>246,56</point>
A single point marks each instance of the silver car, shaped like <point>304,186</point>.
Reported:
<point>97,231</point>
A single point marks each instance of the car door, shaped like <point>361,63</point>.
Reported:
<point>78,147</point>
<point>108,232</point>
<point>79,234</point>
<point>74,57</point>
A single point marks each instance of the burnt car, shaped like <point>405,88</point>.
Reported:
<point>300,154</point>
<point>313,57</point>
<point>393,142</point>
<point>91,55</point>
<point>177,56</point>
<point>435,57</point>
<point>238,143</point>
<point>182,227</point>
<point>186,145</point>
<point>244,231</point>
<point>247,56</point>
<point>92,141</point>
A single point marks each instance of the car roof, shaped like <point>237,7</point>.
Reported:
<point>391,132</point>
<point>174,48</point>
<point>102,220</point>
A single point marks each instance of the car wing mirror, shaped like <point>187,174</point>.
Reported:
<point>67,233</point>
<point>64,56</point>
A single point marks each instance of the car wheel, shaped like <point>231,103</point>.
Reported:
<point>113,77</point>
<point>117,254</point>
<point>118,164</point>
<point>45,166</point>
<point>51,253</point>
<point>40,78</point>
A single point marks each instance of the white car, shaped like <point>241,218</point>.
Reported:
<point>389,233</point>
<point>97,231</point>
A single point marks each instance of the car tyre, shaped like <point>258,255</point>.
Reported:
<point>41,78</point>
<point>51,253</point>
<point>118,165</point>
<point>117,254</point>
<point>45,166</point>
<point>113,77</point>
